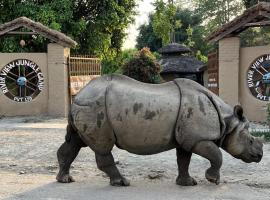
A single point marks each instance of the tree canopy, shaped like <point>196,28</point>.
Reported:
<point>191,24</point>
<point>147,37</point>
<point>189,32</point>
<point>218,12</point>
<point>97,26</point>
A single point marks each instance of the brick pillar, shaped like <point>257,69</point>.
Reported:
<point>229,52</point>
<point>58,103</point>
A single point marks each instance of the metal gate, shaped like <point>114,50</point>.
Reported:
<point>213,72</point>
<point>82,69</point>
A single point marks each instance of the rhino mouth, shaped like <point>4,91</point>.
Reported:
<point>253,158</point>
<point>257,158</point>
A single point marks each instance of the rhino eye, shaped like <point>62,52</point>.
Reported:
<point>251,141</point>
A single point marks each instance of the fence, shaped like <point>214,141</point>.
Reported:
<point>82,69</point>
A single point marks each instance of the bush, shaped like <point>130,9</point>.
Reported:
<point>112,63</point>
<point>109,65</point>
<point>143,67</point>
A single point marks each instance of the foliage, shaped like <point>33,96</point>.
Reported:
<point>201,57</point>
<point>200,19</point>
<point>258,36</point>
<point>143,67</point>
<point>97,26</point>
<point>216,13</point>
<point>191,43</point>
<point>112,64</point>
<point>128,54</point>
<point>190,33</point>
<point>185,19</point>
<point>147,37</point>
<point>164,22</point>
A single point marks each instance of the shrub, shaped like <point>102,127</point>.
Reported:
<point>109,65</point>
<point>143,67</point>
<point>112,63</point>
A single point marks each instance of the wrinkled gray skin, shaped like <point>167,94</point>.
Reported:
<point>147,119</point>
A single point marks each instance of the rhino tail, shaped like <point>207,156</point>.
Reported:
<point>72,132</point>
<point>70,129</point>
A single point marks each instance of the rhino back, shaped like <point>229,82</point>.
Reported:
<point>143,116</point>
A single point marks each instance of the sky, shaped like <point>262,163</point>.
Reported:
<point>144,8</point>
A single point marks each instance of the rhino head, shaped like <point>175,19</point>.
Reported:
<point>238,141</point>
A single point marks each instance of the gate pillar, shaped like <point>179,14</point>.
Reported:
<point>229,53</point>
<point>58,102</point>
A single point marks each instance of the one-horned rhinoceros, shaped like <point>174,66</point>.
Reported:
<point>147,119</point>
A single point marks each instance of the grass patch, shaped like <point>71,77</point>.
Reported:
<point>264,134</point>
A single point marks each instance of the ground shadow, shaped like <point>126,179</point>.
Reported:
<point>100,190</point>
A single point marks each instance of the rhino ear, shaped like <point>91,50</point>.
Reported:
<point>238,112</point>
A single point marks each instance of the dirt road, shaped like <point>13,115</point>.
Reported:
<point>28,167</point>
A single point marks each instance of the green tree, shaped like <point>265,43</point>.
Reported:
<point>164,22</point>
<point>147,37</point>
<point>257,36</point>
<point>189,21</point>
<point>216,13</point>
<point>113,64</point>
<point>97,26</point>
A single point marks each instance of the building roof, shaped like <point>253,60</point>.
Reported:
<point>255,16</point>
<point>174,48</point>
<point>39,28</point>
<point>181,64</point>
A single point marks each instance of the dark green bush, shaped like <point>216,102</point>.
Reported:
<point>143,67</point>
<point>110,65</point>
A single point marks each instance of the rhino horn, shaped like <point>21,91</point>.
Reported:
<point>261,139</point>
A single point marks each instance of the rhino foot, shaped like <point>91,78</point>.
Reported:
<point>212,176</point>
<point>120,182</point>
<point>66,178</point>
<point>187,181</point>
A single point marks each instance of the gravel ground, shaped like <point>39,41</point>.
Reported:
<point>28,167</point>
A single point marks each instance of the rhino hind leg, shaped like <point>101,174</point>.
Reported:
<point>106,164</point>
<point>66,154</point>
<point>183,160</point>
<point>210,151</point>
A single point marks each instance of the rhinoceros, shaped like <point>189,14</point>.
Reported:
<point>147,119</point>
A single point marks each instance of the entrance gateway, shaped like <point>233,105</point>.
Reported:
<point>38,83</point>
<point>242,75</point>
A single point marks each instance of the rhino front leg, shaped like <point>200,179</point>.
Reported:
<point>210,150</point>
<point>183,160</point>
<point>106,164</point>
